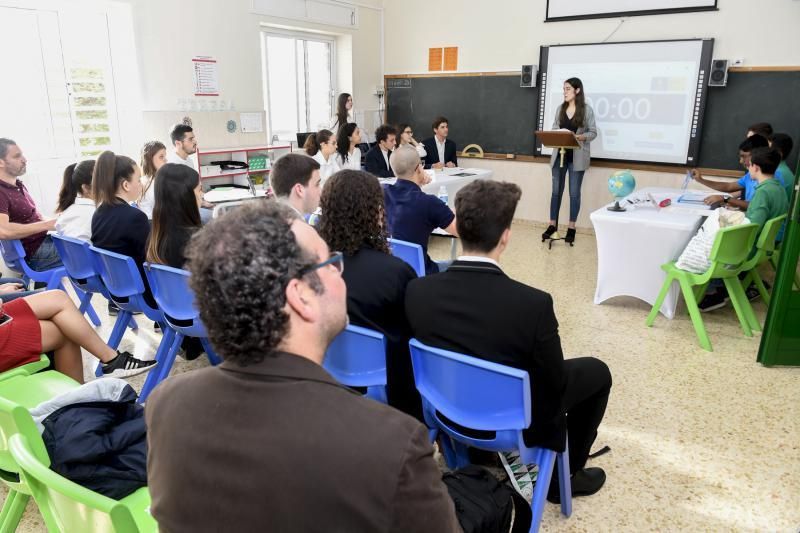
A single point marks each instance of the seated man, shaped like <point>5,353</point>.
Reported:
<point>268,439</point>
<point>474,308</point>
<point>19,218</point>
<point>413,214</point>
<point>295,181</point>
<point>440,151</point>
<point>745,186</point>
<point>377,159</point>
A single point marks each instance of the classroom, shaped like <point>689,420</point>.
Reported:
<point>309,265</point>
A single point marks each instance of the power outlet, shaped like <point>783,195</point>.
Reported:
<point>738,62</point>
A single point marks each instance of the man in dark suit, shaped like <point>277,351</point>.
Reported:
<point>475,309</point>
<point>440,151</point>
<point>377,159</point>
<point>269,440</point>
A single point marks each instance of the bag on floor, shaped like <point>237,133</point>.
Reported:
<point>484,504</point>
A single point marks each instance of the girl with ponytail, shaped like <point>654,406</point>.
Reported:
<point>75,203</point>
<point>321,146</point>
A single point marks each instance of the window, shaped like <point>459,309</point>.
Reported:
<point>299,83</point>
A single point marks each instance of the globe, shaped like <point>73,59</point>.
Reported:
<point>620,184</point>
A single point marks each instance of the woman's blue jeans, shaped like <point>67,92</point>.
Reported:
<point>559,179</point>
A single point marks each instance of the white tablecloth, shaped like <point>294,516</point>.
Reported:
<point>453,183</point>
<point>632,246</point>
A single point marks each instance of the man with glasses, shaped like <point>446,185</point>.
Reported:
<point>269,440</point>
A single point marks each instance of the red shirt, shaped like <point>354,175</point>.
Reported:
<point>18,205</point>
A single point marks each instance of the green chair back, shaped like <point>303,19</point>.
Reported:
<point>766,240</point>
<point>731,248</point>
<point>26,370</point>
<point>15,419</point>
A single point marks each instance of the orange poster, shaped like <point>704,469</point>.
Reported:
<point>451,58</point>
<point>435,59</point>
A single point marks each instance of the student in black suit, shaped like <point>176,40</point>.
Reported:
<point>377,160</point>
<point>475,309</point>
<point>440,151</point>
<point>354,222</point>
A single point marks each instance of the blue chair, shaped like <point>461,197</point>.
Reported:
<point>410,253</point>
<point>80,269</point>
<point>357,358</point>
<point>170,287</point>
<point>14,257</point>
<point>124,286</point>
<point>447,382</point>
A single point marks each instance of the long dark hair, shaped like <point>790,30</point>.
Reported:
<point>341,109</point>
<point>149,151</point>
<point>343,140</point>
<point>76,176</point>
<point>175,209</point>
<point>315,141</point>
<point>400,129</point>
<point>353,215</point>
<point>580,104</point>
<point>109,171</point>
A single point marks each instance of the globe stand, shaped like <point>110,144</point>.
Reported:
<point>554,237</point>
<point>616,207</point>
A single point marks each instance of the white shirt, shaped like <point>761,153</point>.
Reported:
<point>440,148</point>
<point>173,157</point>
<point>386,158</point>
<point>353,160</point>
<point>478,259</point>
<point>76,220</point>
<point>421,150</point>
<point>147,203</point>
<point>326,168</point>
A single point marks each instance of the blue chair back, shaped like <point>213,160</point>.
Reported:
<point>13,254</point>
<point>170,287</point>
<point>77,259</point>
<point>123,282</point>
<point>448,382</point>
<point>409,252</point>
<point>357,358</point>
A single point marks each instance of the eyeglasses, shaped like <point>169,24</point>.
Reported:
<point>409,132</point>
<point>336,259</point>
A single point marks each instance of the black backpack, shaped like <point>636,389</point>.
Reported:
<point>484,504</point>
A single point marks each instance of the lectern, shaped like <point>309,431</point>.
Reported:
<point>561,139</point>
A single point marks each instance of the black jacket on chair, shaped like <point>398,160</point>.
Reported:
<point>432,152</point>
<point>475,309</point>
<point>375,164</point>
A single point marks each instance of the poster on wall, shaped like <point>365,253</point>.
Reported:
<point>205,76</point>
<point>581,9</point>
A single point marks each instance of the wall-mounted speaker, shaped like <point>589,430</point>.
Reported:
<point>719,73</point>
<point>527,77</point>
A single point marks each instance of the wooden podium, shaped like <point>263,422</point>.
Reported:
<point>561,139</point>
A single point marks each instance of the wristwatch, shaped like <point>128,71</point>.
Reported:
<point>725,199</point>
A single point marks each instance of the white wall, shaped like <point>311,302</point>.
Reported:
<point>504,35</point>
<point>169,34</point>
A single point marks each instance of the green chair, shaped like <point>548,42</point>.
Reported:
<point>765,247</point>
<point>68,507</point>
<point>730,250</point>
<point>17,395</point>
<point>26,370</point>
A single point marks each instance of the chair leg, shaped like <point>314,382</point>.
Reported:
<point>762,289</point>
<point>165,355</point>
<point>13,509</point>
<point>119,328</point>
<point>213,358</point>
<point>744,311</point>
<point>132,324</point>
<point>86,307</point>
<point>694,314</point>
<point>564,482</point>
<point>545,460</point>
<point>660,300</point>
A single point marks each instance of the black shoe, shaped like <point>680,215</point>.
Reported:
<point>548,232</point>
<point>713,301</point>
<point>584,483</point>
<point>113,310</point>
<point>570,238</point>
<point>752,292</point>
<point>125,365</point>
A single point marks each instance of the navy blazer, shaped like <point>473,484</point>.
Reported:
<point>432,152</point>
<point>375,164</point>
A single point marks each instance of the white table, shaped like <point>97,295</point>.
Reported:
<point>632,246</point>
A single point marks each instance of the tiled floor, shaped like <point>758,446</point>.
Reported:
<point>700,441</point>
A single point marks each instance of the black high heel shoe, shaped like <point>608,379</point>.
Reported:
<point>548,232</point>
<point>570,238</point>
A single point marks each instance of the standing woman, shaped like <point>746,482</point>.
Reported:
<point>154,156</point>
<point>321,146</point>
<point>407,137</point>
<point>577,117</point>
<point>348,154</point>
<point>344,112</point>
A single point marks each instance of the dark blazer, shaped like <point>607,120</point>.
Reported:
<point>475,309</point>
<point>432,152</point>
<point>376,165</point>
<point>376,293</point>
<point>282,447</point>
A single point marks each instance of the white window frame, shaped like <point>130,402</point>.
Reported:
<point>275,32</point>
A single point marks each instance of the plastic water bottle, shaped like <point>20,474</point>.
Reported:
<point>443,194</point>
